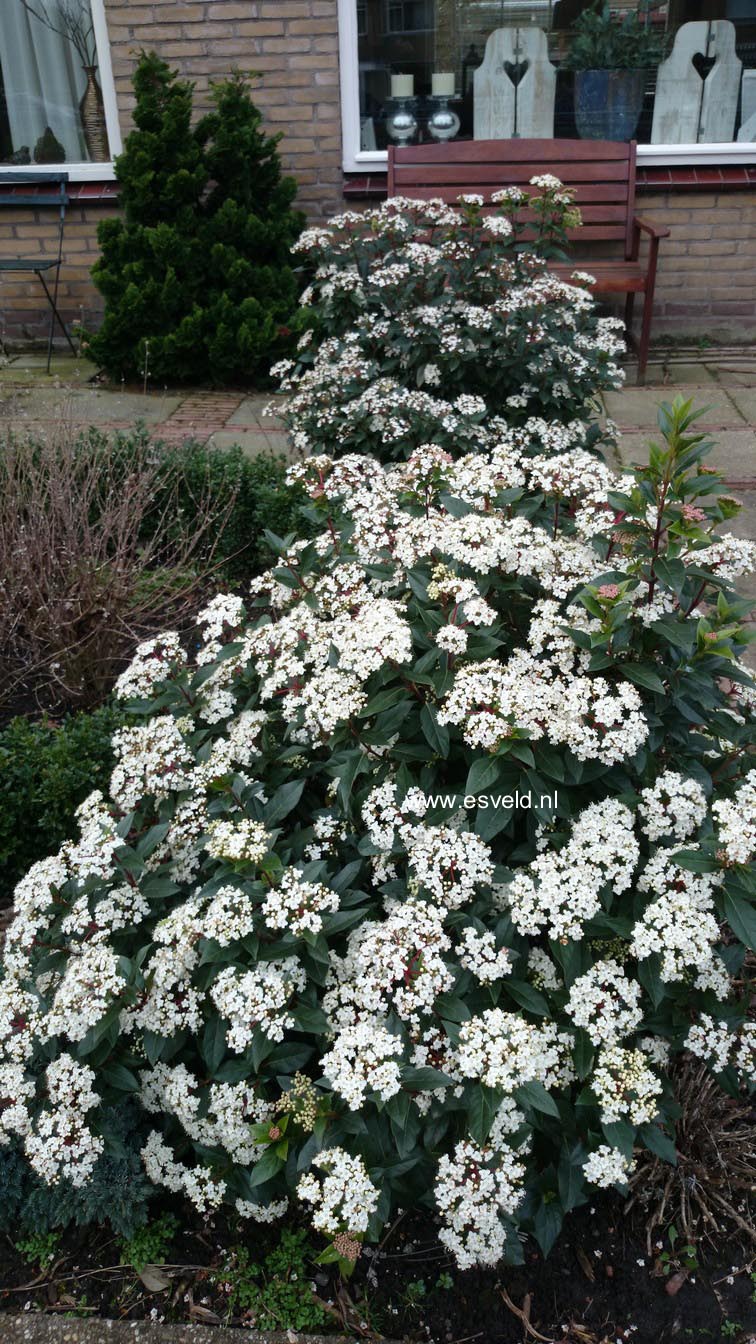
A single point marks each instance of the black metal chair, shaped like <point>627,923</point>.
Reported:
<point>40,266</point>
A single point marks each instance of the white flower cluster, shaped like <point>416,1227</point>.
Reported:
<point>503,1050</point>
<point>493,701</point>
<point>736,822</point>
<point>605,1002</point>
<point>257,1000</point>
<point>673,808</point>
<point>297,905</point>
<point>60,1145</point>
<point>607,1166</point>
<point>345,1199</point>
<point>237,840</point>
<point>362,1060</point>
<point>478,953</point>
<point>155,660</point>
<point>714,1042</point>
<point>561,889</point>
<point>625,1087</point>
<point>680,924</point>
<point>474,1190</point>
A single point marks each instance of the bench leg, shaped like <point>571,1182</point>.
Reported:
<point>645,337</point>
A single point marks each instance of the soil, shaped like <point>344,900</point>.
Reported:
<point>598,1286</point>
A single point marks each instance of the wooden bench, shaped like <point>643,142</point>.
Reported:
<point>602,175</point>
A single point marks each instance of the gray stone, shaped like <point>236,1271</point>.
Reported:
<point>734,452</point>
<point>252,441</point>
<point>666,375</point>
<point>745,401</point>
<point>250,412</point>
<point>637,407</point>
<point>42,1329</point>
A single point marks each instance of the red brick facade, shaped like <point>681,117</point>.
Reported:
<point>704,277</point>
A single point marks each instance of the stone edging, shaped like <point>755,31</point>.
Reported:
<point>39,1328</point>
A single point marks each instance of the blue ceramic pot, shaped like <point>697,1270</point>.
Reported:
<point>608,103</point>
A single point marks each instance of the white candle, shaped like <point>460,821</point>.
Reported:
<point>402,86</point>
<point>442,85</point>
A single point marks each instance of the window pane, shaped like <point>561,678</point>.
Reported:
<point>51,108</point>
<point>703,91</point>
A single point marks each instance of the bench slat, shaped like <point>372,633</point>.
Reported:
<point>483,179</point>
<point>544,152</point>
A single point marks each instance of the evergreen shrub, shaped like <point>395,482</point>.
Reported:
<point>421,865</point>
<point>195,270</point>
<point>434,324</point>
<point>46,770</point>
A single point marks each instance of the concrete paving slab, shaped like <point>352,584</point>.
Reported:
<point>744,399</point>
<point>666,374</point>
<point>42,1329</point>
<point>636,408</point>
<point>735,374</point>
<point>734,453</point>
<point>34,368</point>
<point>89,406</point>
<point>252,441</point>
<point>250,411</point>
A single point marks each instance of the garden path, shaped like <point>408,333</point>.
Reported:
<point>724,380</point>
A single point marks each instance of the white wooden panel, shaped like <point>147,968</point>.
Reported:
<point>690,110</point>
<point>504,108</point>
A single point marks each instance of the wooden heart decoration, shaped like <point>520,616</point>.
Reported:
<point>515,70</point>
<point>703,64</point>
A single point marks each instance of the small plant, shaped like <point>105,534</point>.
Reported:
<point>150,1245</point>
<point>276,1294</point>
<point>605,40</point>
<point>415,1291</point>
<point>445,1282</point>
<point>79,580</point>
<point>46,770</point>
<point>677,1257</point>
<point>39,1248</point>
<point>730,1328</point>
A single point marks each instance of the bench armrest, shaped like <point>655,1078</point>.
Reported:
<point>653,229</point>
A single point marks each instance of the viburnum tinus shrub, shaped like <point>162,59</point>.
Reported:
<point>442,325</point>
<point>423,866</point>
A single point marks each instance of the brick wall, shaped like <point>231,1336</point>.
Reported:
<point>705,279</point>
<point>704,283</point>
<point>291,44</point>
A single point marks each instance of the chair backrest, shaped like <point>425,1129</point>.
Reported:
<point>44,188</point>
<point>56,182</point>
<point>601,173</point>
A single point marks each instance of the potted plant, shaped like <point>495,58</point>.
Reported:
<point>610,54</point>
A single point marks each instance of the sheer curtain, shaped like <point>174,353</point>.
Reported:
<point>43,83</point>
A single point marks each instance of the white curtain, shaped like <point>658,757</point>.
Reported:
<point>43,82</point>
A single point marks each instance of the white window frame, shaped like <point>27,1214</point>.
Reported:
<point>355,160</point>
<point>93,172</point>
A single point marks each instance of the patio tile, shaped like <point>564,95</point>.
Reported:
<point>250,412</point>
<point>745,401</point>
<point>89,406</point>
<point>736,374</point>
<point>734,453</point>
<point>669,375</point>
<point>636,407</point>
<point>252,441</point>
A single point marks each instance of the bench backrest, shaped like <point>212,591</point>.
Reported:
<point>601,172</point>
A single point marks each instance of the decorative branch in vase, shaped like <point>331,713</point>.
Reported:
<point>72,20</point>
